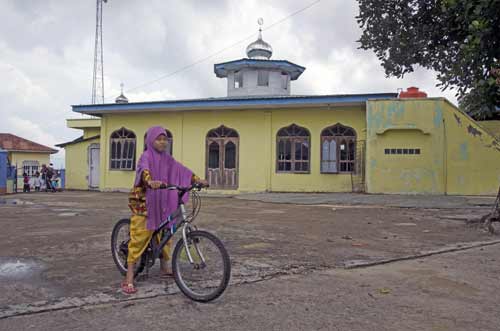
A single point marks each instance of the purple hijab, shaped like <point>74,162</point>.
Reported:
<point>160,203</point>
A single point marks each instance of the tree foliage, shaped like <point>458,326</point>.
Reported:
<point>459,39</point>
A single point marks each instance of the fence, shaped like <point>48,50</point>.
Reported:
<point>11,179</point>
<point>3,171</point>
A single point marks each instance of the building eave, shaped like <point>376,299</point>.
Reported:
<point>77,141</point>
<point>52,151</point>
<point>83,123</point>
<point>294,70</point>
<point>273,102</point>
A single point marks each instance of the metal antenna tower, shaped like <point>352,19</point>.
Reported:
<point>98,77</point>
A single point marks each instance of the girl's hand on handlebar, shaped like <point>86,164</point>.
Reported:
<point>154,184</point>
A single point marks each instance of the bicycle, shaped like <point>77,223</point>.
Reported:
<point>197,251</point>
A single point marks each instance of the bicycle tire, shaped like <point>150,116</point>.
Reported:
<point>226,265</point>
<point>122,267</point>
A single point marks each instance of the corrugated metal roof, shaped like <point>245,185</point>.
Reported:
<point>231,102</point>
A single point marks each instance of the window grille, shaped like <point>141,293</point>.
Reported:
<point>122,150</point>
<point>293,152</point>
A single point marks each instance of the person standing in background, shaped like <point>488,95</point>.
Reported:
<point>37,182</point>
<point>26,181</point>
<point>55,180</point>
<point>48,178</point>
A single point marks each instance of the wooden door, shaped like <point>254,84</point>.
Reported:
<point>222,158</point>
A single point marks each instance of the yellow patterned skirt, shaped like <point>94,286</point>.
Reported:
<point>139,239</point>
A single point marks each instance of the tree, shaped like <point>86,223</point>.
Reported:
<point>459,39</point>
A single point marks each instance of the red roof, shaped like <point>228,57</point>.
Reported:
<point>10,142</point>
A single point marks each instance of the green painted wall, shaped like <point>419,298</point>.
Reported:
<point>492,127</point>
<point>457,156</point>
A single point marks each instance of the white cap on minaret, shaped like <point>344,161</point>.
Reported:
<point>259,49</point>
<point>121,98</point>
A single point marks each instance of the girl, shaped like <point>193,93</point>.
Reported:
<point>26,181</point>
<point>150,205</point>
<point>55,180</point>
<point>43,185</point>
<point>37,182</point>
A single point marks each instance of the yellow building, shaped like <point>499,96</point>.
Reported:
<point>492,126</point>
<point>25,155</point>
<point>455,154</point>
<point>262,138</point>
<point>82,155</point>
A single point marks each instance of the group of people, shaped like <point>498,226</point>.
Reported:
<point>47,179</point>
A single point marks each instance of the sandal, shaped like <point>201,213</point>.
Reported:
<point>128,288</point>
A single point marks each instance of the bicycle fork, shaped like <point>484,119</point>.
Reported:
<point>185,230</point>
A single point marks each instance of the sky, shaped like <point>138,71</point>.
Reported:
<point>47,54</point>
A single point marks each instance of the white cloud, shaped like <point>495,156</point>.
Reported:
<point>30,130</point>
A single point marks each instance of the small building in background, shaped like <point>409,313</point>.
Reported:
<point>25,155</point>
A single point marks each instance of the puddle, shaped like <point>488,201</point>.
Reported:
<point>17,268</point>
<point>334,207</point>
<point>14,202</point>
<point>270,211</point>
<point>256,264</point>
<point>67,214</point>
<point>460,217</point>
<point>65,210</point>
<point>256,245</point>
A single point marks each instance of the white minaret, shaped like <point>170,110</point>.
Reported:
<point>256,74</point>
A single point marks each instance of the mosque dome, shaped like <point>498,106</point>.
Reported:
<point>259,49</point>
<point>121,98</point>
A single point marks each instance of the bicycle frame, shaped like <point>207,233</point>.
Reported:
<point>178,216</point>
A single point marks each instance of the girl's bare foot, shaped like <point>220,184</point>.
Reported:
<point>128,283</point>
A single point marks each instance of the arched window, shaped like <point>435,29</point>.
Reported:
<point>222,132</point>
<point>170,141</point>
<point>122,150</point>
<point>292,150</point>
<point>338,149</point>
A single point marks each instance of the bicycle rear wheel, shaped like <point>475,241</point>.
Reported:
<point>208,276</point>
<point>119,247</point>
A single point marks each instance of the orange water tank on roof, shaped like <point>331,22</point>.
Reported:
<point>412,92</point>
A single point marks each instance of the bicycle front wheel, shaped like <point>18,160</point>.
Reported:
<point>206,278</point>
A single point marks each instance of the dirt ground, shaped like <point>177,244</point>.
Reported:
<point>290,265</point>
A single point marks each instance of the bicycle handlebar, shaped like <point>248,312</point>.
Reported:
<point>182,188</point>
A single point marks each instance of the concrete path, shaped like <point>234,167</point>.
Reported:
<point>399,201</point>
